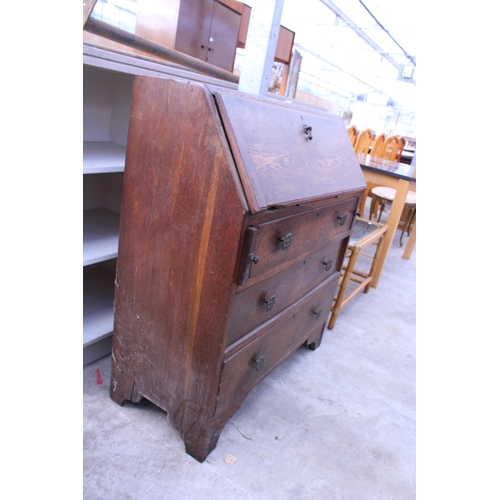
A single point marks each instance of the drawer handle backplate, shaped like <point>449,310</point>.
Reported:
<point>328,264</point>
<point>342,218</point>
<point>286,241</point>
<point>253,258</point>
<point>259,363</point>
<point>308,132</point>
<point>270,302</point>
<point>317,312</point>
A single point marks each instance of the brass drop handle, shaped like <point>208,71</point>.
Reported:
<point>328,264</point>
<point>259,363</point>
<point>317,312</point>
<point>308,132</point>
<point>269,302</point>
<point>342,218</point>
<point>286,241</point>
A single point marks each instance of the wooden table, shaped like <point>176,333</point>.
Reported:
<point>379,172</point>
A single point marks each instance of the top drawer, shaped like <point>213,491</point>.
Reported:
<point>274,245</point>
<point>287,154</point>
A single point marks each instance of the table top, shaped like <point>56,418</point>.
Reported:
<point>391,168</point>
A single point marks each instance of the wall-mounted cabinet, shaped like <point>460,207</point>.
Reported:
<point>211,30</point>
<point>208,30</point>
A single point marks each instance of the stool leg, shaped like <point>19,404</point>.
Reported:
<point>372,206</point>
<point>407,226</point>
<point>382,206</point>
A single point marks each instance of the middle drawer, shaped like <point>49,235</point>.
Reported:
<point>259,303</point>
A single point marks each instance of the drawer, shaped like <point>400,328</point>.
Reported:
<point>274,245</point>
<point>259,303</point>
<point>272,343</point>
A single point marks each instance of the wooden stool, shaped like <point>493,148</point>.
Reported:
<point>364,233</point>
<point>384,195</point>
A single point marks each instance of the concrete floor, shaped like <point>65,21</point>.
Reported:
<point>335,423</point>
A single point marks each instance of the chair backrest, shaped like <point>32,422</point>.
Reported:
<point>378,146</point>
<point>363,142</point>
<point>402,143</point>
<point>352,132</point>
<point>392,146</point>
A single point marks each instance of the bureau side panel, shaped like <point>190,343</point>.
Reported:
<point>181,221</point>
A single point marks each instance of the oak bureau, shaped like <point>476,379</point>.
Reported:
<point>236,215</point>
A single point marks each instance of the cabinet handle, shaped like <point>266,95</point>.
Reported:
<point>253,258</point>
<point>259,363</point>
<point>308,132</point>
<point>210,49</point>
<point>203,46</point>
<point>328,264</point>
<point>286,241</point>
<point>317,312</point>
<point>342,218</point>
<point>269,302</point>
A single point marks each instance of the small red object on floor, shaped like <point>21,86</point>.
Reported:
<point>98,373</point>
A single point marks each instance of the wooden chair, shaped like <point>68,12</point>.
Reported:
<point>364,142</point>
<point>364,233</point>
<point>390,148</point>
<point>378,146</point>
<point>352,132</point>
<point>402,143</point>
<point>384,195</point>
<point>393,147</point>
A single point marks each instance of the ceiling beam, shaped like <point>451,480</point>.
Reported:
<point>333,65</point>
<point>351,24</point>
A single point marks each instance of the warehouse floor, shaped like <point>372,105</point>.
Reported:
<point>335,423</point>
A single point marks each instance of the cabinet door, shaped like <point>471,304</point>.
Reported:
<point>223,37</point>
<point>208,30</point>
<point>193,29</point>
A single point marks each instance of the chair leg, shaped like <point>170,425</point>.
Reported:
<point>376,256</point>
<point>346,278</point>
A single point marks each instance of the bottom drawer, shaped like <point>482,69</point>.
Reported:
<point>246,367</point>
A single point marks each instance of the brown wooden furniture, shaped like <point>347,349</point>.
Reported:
<point>235,219</point>
<point>364,142</point>
<point>391,149</point>
<point>378,148</point>
<point>352,132</point>
<point>208,30</point>
<point>384,195</point>
<point>364,234</point>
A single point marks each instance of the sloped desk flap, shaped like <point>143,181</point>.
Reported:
<point>287,154</point>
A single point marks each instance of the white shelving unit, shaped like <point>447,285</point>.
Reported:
<point>100,235</point>
<point>103,157</point>
<point>106,109</point>
<point>107,92</point>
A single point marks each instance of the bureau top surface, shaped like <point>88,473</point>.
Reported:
<point>287,154</point>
